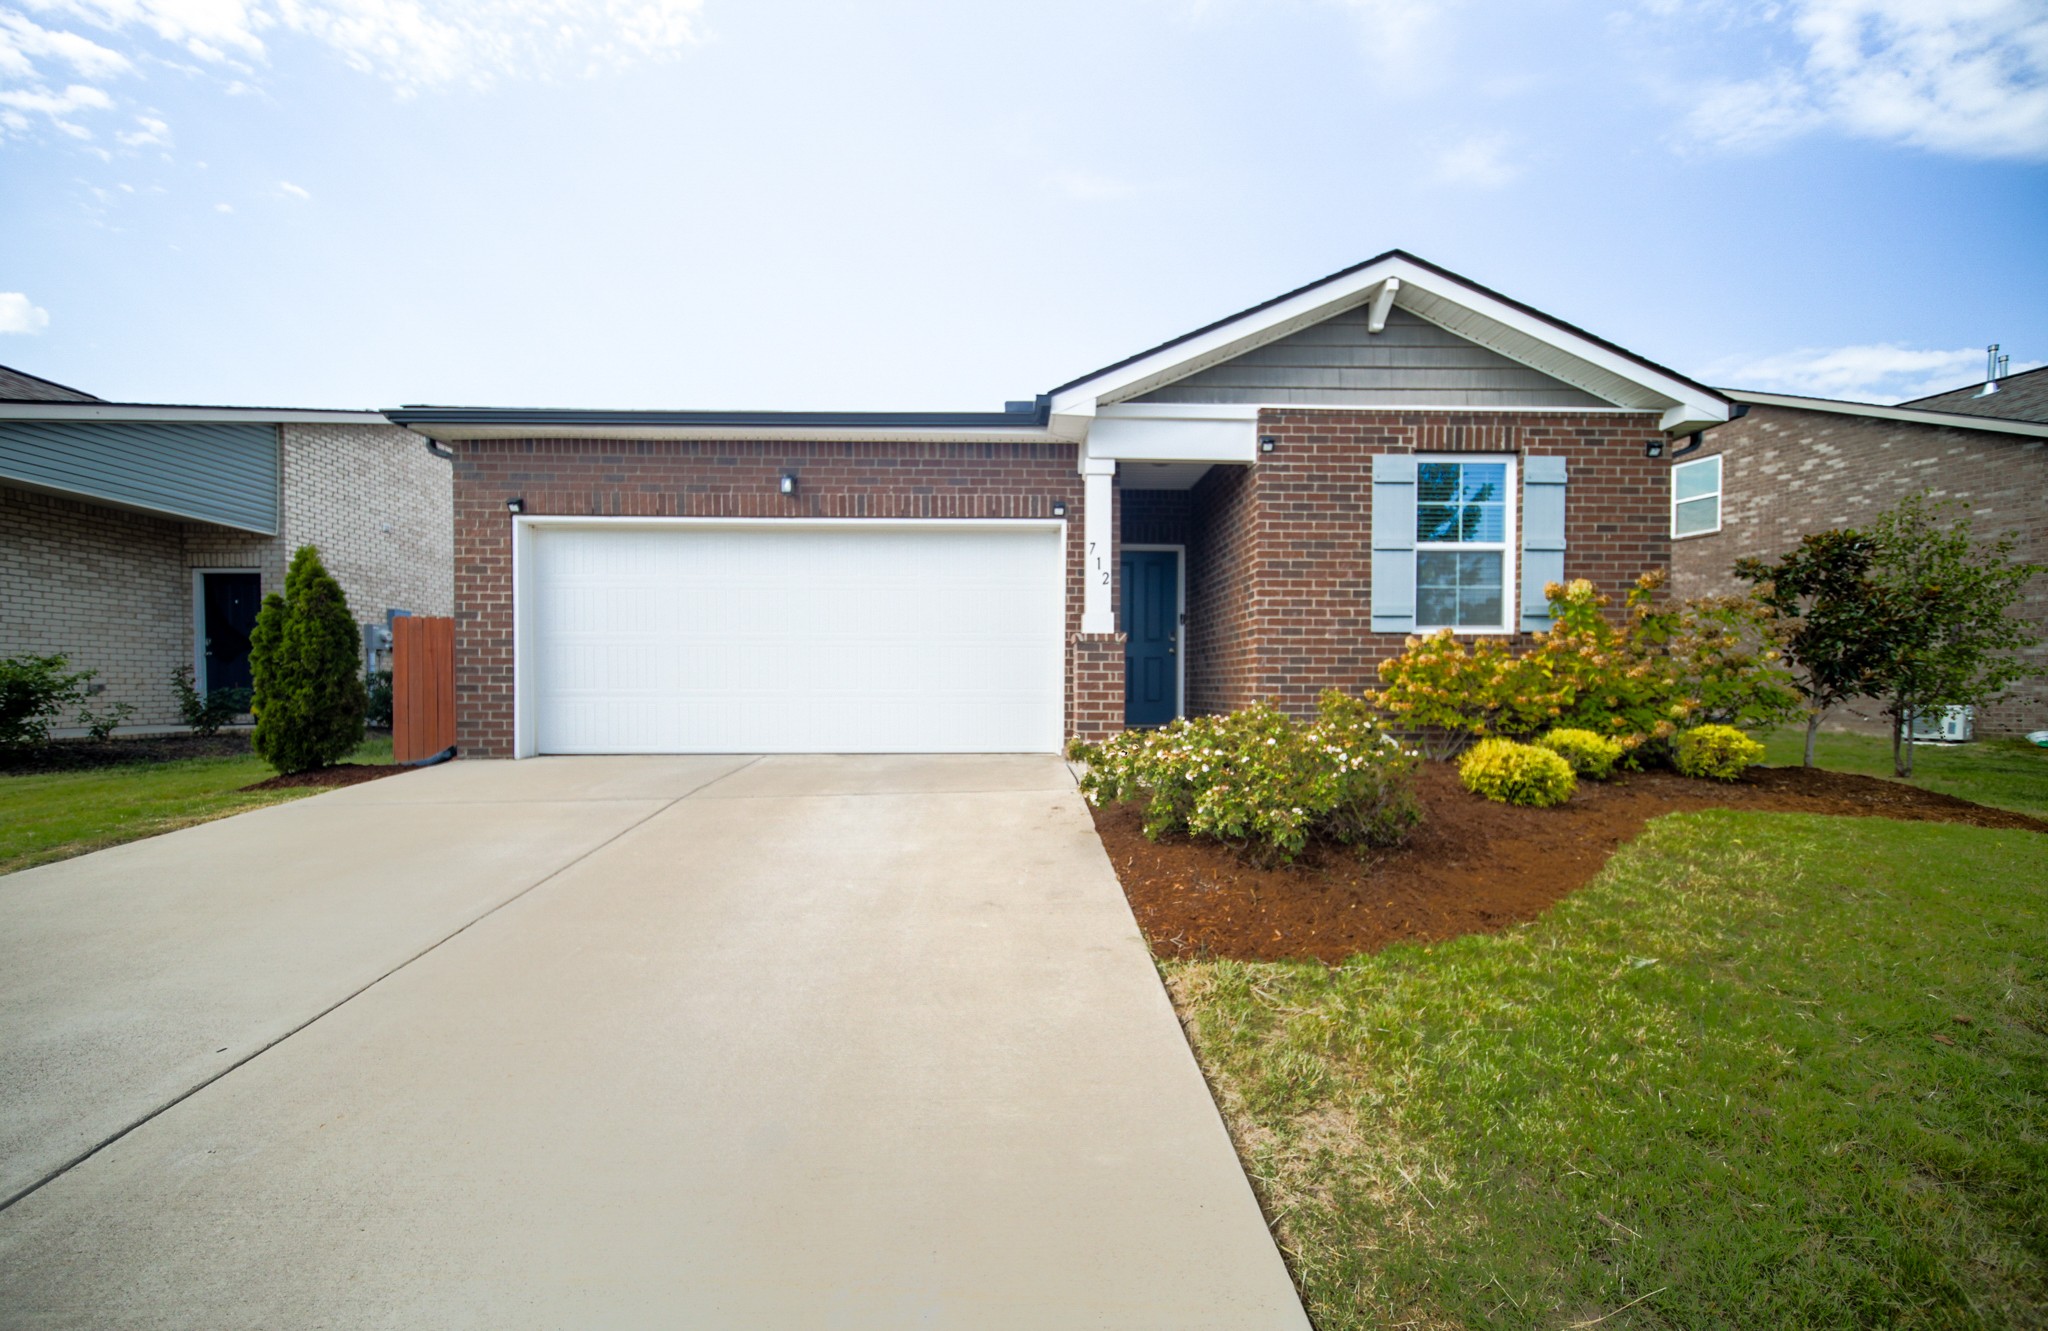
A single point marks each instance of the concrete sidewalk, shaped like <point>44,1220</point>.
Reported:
<point>830,1042</point>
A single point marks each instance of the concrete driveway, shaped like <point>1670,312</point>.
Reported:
<point>678,1042</point>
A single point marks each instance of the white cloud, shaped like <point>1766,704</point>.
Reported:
<point>18,314</point>
<point>1482,162</point>
<point>18,104</point>
<point>410,43</point>
<point>1881,372</point>
<point>148,130</point>
<point>1968,77</point>
<point>295,191</point>
<point>23,42</point>
<point>223,207</point>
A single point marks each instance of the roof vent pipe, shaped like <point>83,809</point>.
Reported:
<point>1995,367</point>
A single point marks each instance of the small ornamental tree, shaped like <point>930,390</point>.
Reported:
<point>305,656</point>
<point>1839,626</point>
<point>1947,596</point>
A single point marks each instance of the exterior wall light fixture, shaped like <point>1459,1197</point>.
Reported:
<point>1654,449</point>
<point>515,505</point>
<point>787,483</point>
<point>1266,443</point>
<point>1059,508</point>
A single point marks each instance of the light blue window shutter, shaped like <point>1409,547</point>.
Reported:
<point>1393,543</point>
<point>1543,482</point>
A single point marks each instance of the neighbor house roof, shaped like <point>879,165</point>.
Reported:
<point>1913,414</point>
<point>17,386</point>
<point>2020,397</point>
<point>93,409</point>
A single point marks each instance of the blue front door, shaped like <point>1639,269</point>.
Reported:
<point>1151,623</point>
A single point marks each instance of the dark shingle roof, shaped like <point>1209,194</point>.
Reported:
<point>18,387</point>
<point>2020,397</point>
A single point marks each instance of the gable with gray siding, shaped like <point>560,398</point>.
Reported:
<point>1409,363</point>
<point>218,472</point>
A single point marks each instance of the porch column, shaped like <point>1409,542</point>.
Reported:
<point>1097,559</point>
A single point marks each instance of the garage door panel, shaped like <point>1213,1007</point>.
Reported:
<point>789,639</point>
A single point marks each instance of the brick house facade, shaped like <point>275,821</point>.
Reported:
<point>1790,469</point>
<point>111,585</point>
<point>1254,453</point>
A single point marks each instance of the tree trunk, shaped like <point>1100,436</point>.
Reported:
<point>1812,725</point>
<point>1898,732</point>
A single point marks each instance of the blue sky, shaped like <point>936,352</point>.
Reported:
<point>783,204</point>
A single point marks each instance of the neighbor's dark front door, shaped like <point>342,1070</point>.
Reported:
<point>228,607</point>
<point>1151,619</point>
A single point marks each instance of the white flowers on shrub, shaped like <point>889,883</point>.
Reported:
<point>1262,781</point>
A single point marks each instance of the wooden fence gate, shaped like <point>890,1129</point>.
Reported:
<point>422,687</point>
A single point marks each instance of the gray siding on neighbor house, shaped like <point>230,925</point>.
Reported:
<point>1411,362</point>
<point>224,473</point>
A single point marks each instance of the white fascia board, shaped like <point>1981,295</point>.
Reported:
<point>1313,306</point>
<point>1914,415</point>
<point>1053,434</point>
<point>124,411</point>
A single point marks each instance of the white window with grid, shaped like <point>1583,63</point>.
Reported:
<point>1464,543</point>
<point>1696,497</point>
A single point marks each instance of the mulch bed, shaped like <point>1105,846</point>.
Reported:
<point>79,755</point>
<point>341,774</point>
<point>1473,866</point>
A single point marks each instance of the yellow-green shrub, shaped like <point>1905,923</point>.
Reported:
<point>1721,753</point>
<point>1512,773</point>
<point>1589,754</point>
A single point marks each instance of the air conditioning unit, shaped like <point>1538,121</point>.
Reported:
<point>1945,725</point>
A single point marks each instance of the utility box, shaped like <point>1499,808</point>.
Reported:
<point>1945,725</point>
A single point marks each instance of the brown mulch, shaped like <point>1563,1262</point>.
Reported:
<point>341,774</point>
<point>1473,866</point>
<point>78,755</point>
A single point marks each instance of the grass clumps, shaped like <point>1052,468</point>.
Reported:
<point>1717,753</point>
<point>1511,773</point>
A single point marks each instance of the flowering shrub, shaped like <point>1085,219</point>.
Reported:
<point>1721,753</point>
<point>1262,781</point>
<point>1512,773</point>
<point>1637,682</point>
<point>1589,754</point>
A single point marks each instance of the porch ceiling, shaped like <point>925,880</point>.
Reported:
<point>1162,475</point>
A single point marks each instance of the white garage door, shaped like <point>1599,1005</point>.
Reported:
<point>786,638</point>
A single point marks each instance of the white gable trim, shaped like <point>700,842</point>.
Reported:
<point>1459,307</point>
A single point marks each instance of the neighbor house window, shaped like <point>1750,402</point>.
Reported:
<point>1696,497</point>
<point>1464,539</point>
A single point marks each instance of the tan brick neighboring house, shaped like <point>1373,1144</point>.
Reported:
<point>1263,508</point>
<point>135,539</point>
<point>1795,465</point>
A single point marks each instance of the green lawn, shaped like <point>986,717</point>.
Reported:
<point>2007,773</point>
<point>56,815</point>
<point>1766,1071</point>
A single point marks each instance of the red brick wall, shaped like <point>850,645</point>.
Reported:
<point>1788,472</point>
<point>1221,657</point>
<point>1282,576</point>
<point>692,478</point>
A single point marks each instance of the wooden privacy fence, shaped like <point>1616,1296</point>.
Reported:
<point>422,687</point>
